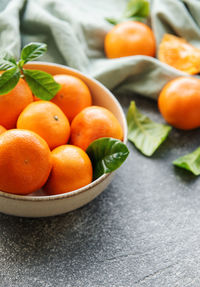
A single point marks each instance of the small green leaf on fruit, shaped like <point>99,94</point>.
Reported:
<point>8,80</point>
<point>106,154</point>
<point>42,84</point>
<point>32,51</point>
<point>146,135</point>
<point>190,162</point>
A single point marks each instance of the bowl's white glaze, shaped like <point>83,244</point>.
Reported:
<point>39,206</point>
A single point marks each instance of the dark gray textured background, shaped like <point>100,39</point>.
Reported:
<point>143,230</point>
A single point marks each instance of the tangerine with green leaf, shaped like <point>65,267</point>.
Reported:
<point>41,83</point>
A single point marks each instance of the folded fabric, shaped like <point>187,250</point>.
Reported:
<point>74,32</point>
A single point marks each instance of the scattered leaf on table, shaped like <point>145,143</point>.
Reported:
<point>178,53</point>
<point>106,155</point>
<point>146,135</point>
<point>190,162</point>
<point>8,80</point>
<point>42,84</point>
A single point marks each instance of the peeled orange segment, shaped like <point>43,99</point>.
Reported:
<point>178,53</point>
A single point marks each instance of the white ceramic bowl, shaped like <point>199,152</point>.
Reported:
<point>39,206</point>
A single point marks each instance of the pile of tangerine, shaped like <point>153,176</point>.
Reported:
<point>34,149</point>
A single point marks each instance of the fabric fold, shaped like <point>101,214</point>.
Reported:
<point>75,30</point>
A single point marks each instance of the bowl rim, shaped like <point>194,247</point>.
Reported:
<point>93,183</point>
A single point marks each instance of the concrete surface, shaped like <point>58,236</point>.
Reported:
<point>144,230</point>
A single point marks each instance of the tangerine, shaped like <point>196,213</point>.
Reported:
<point>128,39</point>
<point>47,120</point>
<point>25,161</point>
<point>92,123</point>
<point>73,96</point>
<point>179,103</point>
<point>72,169</point>
<point>12,104</point>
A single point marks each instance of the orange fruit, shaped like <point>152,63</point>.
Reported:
<point>73,96</point>
<point>179,103</point>
<point>25,161</point>
<point>178,53</point>
<point>128,39</point>
<point>92,123</point>
<point>72,169</point>
<point>2,130</point>
<point>47,120</point>
<point>12,104</point>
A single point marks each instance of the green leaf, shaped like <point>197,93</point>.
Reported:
<point>106,154</point>
<point>42,84</point>
<point>32,51</point>
<point>112,21</point>
<point>144,133</point>
<point>137,8</point>
<point>7,61</point>
<point>8,80</point>
<point>136,18</point>
<point>5,65</point>
<point>8,57</point>
<point>190,162</point>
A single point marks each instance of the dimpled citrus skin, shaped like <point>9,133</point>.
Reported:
<point>2,130</point>
<point>179,103</point>
<point>128,39</point>
<point>25,162</point>
<point>12,104</point>
<point>92,123</point>
<point>47,120</point>
<point>73,96</point>
<point>72,169</point>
